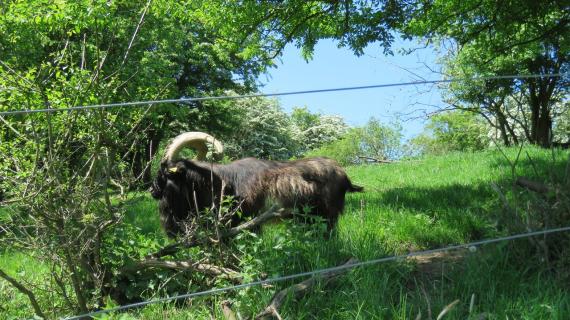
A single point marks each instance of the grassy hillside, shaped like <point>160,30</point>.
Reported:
<point>407,206</point>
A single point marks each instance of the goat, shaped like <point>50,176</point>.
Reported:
<point>188,187</point>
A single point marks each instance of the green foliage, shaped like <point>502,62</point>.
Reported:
<point>478,38</point>
<point>263,130</point>
<point>373,142</point>
<point>561,129</point>
<point>313,130</point>
<point>62,168</point>
<point>85,53</point>
<point>345,150</point>
<point>452,131</point>
<point>269,25</point>
<point>502,38</point>
<point>380,141</point>
<point>407,206</point>
<point>258,127</point>
<point>65,167</point>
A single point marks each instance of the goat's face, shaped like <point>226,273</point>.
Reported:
<point>184,188</point>
<point>167,177</point>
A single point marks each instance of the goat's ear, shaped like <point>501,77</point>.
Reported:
<point>173,169</point>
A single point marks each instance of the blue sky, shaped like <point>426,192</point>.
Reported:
<point>333,67</point>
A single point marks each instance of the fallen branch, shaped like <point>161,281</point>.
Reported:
<point>172,249</point>
<point>371,159</point>
<point>154,261</point>
<point>229,314</point>
<point>532,185</point>
<point>269,215</point>
<point>298,290</point>
<point>272,213</point>
<point>210,269</point>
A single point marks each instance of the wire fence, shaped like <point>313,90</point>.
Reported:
<point>213,291</point>
<point>255,95</point>
<point>314,272</point>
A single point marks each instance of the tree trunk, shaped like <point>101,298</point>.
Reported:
<point>141,160</point>
<point>503,127</point>
<point>541,117</point>
<point>542,93</point>
<point>544,129</point>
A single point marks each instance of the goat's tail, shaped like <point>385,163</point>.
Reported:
<point>354,188</point>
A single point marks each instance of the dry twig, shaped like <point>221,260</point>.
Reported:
<point>298,290</point>
<point>447,308</point>
<point>229,314</point>
<point>210,269</point>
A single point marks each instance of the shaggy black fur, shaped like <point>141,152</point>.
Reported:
<point>186,187</point>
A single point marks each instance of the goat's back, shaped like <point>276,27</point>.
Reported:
<point>303,181</point>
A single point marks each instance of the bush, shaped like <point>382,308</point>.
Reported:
<point>375,142</point>
<point>314,130</point>
<point>451,131</point>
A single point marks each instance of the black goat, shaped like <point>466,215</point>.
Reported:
<point>186,187</point>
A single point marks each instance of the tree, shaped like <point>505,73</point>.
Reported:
<point>64,172</point>
<point>264,130</point>
<point>500,38</point>
<point>270,25</point>
<point>492,38</point>
<point>85,53</point>
<point>455,130</point>
<point>313,130</point>
<point>373,142</point>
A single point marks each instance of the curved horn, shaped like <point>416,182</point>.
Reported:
<point>195,140</point>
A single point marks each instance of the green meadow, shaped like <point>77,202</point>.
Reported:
<point>407,206</point>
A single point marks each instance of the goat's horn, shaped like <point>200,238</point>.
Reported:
<point>195,140</point>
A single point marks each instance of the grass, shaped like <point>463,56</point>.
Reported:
<point>15,305</point>
<point>407,206</point>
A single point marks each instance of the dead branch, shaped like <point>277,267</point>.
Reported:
<point>447,309</point>
<point>172,249</point>
<point>154,261</point>
<point>375,159</point>
<point>188,265</point>
<point>269,215</point>
<point>272,213</point>
<point>532,185</point>
<point>229,314</point>
<point>25,291</point>
<point>298,290</point>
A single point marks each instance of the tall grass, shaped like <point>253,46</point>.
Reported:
<point>406,206</point>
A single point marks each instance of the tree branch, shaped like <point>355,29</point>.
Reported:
<point>298,290</point>
<point>25,291</point>
<point>272,213</point>
<point>188,265</point>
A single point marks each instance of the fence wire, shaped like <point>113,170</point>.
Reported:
<point>321,271</point>
<point>255,95</point>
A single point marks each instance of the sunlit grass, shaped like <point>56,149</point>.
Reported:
<point>407,206</point>
<point>29,270</point>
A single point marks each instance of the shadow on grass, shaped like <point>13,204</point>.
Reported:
<point>437,199</point>
<point>543,165</point>
<point>142,212</point>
